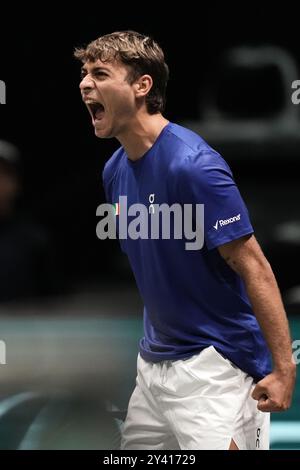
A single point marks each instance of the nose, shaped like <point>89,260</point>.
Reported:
<point>86,83</point>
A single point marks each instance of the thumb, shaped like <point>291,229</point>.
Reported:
<point>258,392</point>
<point>264,404</point>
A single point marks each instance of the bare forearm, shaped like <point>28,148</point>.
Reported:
<point>267,305</point>
<point>246,258</point>
<point>274,392</point>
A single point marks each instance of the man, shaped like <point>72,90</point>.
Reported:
<point>204,377</point>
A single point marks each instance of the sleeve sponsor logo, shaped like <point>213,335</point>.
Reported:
<point>222,222</point>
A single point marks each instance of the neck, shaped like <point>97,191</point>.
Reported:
<point>141,134</point>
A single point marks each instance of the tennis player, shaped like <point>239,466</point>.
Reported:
<point>214,321</point>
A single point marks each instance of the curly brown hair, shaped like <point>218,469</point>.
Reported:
<point>143,56</point>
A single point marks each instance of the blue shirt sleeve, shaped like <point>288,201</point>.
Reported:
<point>205,178</point>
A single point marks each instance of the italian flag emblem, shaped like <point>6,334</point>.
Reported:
<point>117,208</point>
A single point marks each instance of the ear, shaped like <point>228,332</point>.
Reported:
<point>143,85</point>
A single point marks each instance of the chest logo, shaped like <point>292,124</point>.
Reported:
<point>151,200</point>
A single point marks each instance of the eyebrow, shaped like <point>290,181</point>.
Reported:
<point>95,69</point>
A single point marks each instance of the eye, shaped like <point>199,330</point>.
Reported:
<point>100,74</point>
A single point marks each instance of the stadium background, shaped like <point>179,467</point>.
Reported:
<point>72,335</point>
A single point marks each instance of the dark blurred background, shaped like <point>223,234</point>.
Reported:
<point>62,160</point>
<point>231,71</point>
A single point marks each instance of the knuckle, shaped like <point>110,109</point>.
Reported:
<point>282,406</point>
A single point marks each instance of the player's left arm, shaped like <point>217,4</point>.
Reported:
<point>245,257</point>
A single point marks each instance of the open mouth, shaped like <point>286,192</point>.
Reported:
<point>96,110</point>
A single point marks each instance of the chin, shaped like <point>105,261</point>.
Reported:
<point>101,134</point>
<point>104,134</point>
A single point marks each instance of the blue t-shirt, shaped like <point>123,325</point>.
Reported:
<point>192,298</point>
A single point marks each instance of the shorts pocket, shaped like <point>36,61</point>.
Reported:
<point>213,372</point>
<point>224,359</point>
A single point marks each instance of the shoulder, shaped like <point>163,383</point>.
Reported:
<point>193,155</point>
<point>185,139</point>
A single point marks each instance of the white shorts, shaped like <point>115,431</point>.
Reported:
<point>197,403</point>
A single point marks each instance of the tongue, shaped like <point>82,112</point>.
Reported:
<point>99,113</point>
